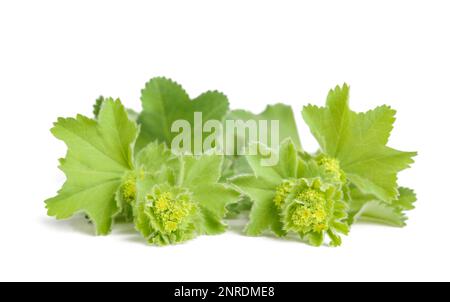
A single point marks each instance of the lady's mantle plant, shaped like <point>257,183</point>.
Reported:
<point>179,197</point>
<point>119,169</point>
<point>295,196</point>
<point>170,199</point>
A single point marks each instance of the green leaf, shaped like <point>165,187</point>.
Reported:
<point>287,130</point>
<point>165,101</point>
<point>368,208</point>
<point>279,112</point>
<point>379,212</point>
<point>201,175</point>
<point>153,157</point>
<point>132,115</point>
<point>99,154</point>
<point>358,141</point>
<point>214,198</point>
<point>210,223</point>
<point>286,166</point>
<point>288,161</point>
<point>263,215</point>
<point>267,173</point>
<point>201,170</point>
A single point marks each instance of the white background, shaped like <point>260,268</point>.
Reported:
<point>56,57</point>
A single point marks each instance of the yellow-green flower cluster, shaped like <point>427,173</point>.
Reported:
<point>309,211</point>
<point>310,207</point>
<point>170,210</point>
<point>332,168</point>
<point>128,190</point>
<point>167,215</point>
<point>282,192</point>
